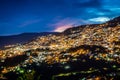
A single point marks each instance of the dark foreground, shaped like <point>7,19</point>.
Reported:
<point>83,69</point>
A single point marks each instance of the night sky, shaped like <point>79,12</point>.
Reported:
<point>19,16</point>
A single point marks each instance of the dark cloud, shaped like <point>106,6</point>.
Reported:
<point>88,4</point>
<point>14,13</point>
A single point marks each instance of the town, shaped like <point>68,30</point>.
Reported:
<point>97,41</point>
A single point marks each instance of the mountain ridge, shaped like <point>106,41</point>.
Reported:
<point>94,48</point>
<point>21,38</point>
<point>26,37</point>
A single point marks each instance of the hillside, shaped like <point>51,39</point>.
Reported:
<point>21,38</point>
<point>70,52</point>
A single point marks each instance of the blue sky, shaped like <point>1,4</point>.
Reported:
<point>19,16</point>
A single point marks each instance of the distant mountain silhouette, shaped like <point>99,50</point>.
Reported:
<point>80,52</point>
<point>21,38</point>
<point>25,37</point>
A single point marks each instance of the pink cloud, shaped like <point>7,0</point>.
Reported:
<point>62,28</point>
<point>63,24</point>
